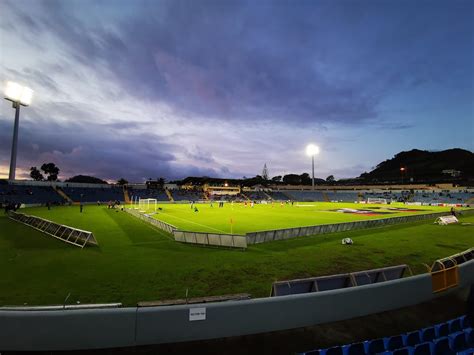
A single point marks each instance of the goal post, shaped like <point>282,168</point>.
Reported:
<point>147,204</point>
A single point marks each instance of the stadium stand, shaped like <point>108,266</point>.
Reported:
<point>158,194</point>
<point>434,197</point>
<point>29,194</point>
<point>94,194</point>
<point>452,337</point>
<point>333,282</point>
<point>187,195</point>
<point>256,195</point>
<point>237,197</point>
<point>279,196</point>
<point>305,196</point>
<point>343,196</point>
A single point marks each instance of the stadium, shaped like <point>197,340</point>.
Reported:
<point>144,248</point>
<point>215,255</point>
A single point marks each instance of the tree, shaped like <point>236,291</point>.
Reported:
<point>330,178</point>
<point>122,181</point>
<point>36,174</point>
<point>86,179</point>
<point>51,170</point>
<point>305,179</point>
<point>276,178</point>
<point>292,179</point>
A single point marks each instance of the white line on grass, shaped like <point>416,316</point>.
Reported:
<point>199,224</point>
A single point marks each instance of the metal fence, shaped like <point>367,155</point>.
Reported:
<point>242,241</point>
<point>212,239</point>
<point>288,233</point>
<point>70,235</point>
<point>149,219</point>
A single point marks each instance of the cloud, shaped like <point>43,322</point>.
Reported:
<point>144,89</point>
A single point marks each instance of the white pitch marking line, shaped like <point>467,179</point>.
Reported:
<point>199,224</point>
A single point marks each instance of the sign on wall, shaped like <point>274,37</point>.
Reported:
<point>197,314</point>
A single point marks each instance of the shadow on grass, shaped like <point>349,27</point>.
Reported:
<point>140,233</point>
<point>24,237</point>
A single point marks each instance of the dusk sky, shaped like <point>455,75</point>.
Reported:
<point>143,89</point>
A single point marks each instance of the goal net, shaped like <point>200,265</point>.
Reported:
<point>377,200</point>
<point>147,204</point>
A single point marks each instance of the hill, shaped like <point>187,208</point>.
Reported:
<point>424,166</point>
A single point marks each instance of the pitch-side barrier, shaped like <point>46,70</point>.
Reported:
<point>242,241</point>
<point>198,238</point>
<point>70,235</point>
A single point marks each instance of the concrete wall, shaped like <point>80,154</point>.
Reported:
<point>107,328</point>
<point>67,329</point>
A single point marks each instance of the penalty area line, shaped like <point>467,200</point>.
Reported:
<point>198,224</point>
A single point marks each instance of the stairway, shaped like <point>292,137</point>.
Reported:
<point>126,196</point>
<point>287,194</point>
<point>267,195</point>
<point>325,197</point>
<point>168,193</point>
<point>242,193</point>
<point>62,194</point>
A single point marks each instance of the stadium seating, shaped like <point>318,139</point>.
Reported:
<point>29,194</point>
<point>158,194</point>
<point>94,194</point>
<point>256,195</point>
<point>435,197</point>
<point>279,196</point>
<point>306,196</point>
<point>344,196</point>
<point>187,195</point>
<point>453,337</point>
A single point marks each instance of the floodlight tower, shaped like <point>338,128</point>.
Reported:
<point>311,151</point>
<point>19,96</point>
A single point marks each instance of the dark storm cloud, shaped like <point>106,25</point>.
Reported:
<point>221,59</point>
<point>261,61</point>
<point>77,150</point>
<point>279,72</point>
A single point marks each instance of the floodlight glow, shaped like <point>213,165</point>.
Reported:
<point>26,96</point>
<point>312,150</point>
<point>13,91</point>
<point>17,93</point>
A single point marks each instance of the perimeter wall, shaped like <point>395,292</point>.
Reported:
<point>132,326</point>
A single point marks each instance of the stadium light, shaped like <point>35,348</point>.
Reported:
<point>19,96</point>
<point>402,172</point>
<point>311,151</point>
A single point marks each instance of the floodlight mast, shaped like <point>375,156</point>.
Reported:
<point>19,96</point>
<point>312,150</point>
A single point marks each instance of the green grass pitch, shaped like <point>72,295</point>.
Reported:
<point>240,219</point>
<point>136,262</point>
